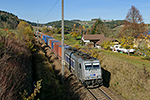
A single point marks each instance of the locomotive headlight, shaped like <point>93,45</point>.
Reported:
<point>87,78</point>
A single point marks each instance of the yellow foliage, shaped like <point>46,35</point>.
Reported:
<point>83,27</point>
<point>74,34</point>
<point>107,44</point>
<point>25,33</point>
<point>74,26</point>
<point>24,28</point>
<point>28,31</point>
<point>127,42</point>
<point>77,45</point>
<point>95,54</point>
<point>33,95</point>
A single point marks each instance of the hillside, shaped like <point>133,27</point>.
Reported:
<point>111,24</point>
<point>8,20</point>
<point>67,24</point>
<point>114,23</point>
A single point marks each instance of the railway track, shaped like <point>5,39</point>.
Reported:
<point>102,93</point>
<point>98,94</point>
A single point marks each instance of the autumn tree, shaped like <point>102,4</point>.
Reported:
<point>106,44</point>
<point>100,28</point>
<point>144,45</point>
<point>88,31</point>
<point>74,27</point>
<point>94,30</point>
<point>75,34</point>
<point>24,28</point>
<point>133,24</point>
<point>26,34</point>
<point>127,43</point>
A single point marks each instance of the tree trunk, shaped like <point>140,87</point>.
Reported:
<point>128,53</point>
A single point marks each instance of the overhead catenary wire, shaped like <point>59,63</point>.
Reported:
<point>50,10</point>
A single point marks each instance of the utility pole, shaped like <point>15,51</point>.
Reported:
<point>38,31</point>
<point>63,61</point>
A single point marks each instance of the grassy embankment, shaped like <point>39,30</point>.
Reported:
<point>129,76</point>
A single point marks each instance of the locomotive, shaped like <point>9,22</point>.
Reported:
<point>87,69</point>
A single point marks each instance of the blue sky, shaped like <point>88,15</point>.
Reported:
<point>33,10</point>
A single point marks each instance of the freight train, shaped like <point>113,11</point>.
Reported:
<point>87,69</point>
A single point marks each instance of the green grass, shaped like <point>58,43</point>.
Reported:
<point>134,60</point>
<point>71,41</point>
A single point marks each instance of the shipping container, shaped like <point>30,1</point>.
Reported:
<point>59,49</point>
<point>52,44</point>
<point>56,49</point>
<point>42,36</point>
<point>46,37</point>
<point>49,41</point>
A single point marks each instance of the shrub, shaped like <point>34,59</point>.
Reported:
<point>15,66</point>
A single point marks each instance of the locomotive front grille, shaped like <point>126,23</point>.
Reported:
<point>93,82</point>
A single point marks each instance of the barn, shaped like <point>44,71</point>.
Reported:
<point>96,39</point>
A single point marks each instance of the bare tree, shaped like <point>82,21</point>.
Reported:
<point>134,25</point>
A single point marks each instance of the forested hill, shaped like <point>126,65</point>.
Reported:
<point>67,24</point>
<point>114,24</point>
<point>8,20</point>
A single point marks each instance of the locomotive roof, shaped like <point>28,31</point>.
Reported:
<point>80,54</point>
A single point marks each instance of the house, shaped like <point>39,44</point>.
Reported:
<point>97,39</point>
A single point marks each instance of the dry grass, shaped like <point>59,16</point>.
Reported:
<point>130,81</point>
<point>137,61</point>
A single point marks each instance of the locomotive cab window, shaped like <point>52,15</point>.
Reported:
<point>96,65</point>
<point>88,66</point>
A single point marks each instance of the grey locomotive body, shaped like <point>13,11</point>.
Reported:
<point>87,69</point>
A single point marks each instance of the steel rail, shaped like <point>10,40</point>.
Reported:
<point>105,94</point>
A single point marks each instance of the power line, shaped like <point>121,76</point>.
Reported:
<point>50,10</point>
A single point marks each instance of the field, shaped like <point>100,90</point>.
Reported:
<point>68,39</point>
